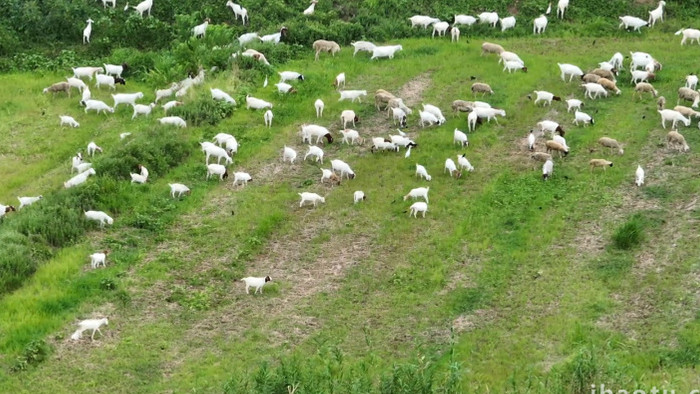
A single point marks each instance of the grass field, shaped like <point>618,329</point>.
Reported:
<point>509,283</point>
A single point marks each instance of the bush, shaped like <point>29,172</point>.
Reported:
<point>34,353</point>
<point>203,111</point>
<point>159,149</point>
<point>16,262</point>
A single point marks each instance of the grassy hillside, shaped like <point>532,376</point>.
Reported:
<point>509,284</point>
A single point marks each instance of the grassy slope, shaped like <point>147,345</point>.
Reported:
<point>519,267</point>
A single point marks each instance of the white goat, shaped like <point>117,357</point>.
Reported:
<point>143,6</point>
<point>142,177</point>
<point>98,258</point>
<point>238,11</point>
<point>462,162</point>
<point>90,324</point>
<point>92,148</point>
<point>201,30</point>
<point>656,14</point>
<point>386,51</point>
<point>672,116</point>
<point>25,201</point>
<point>454,33</point>
<point>80,72</point>
<point>140,109</point>
<point>570,70</point>
<point>178,188</point>
<point>78,179</point>
<point>347,116</point>
<point>65,119</point>
<point>440,28</point>
<point>451,168</point>
<point>507,23</point>
<point>689,34</point>
<point>126,98</point>
<point>115,69</point>
<point>358,196</point>
<point>352,95</point>
<point>267,117</point>
<point>289,154</point>
<point>343,168</point>
<point>419,206</point>
<point>582,117</point>
<point>547,97</point>
<point>633,22</point>
<point>311,197</point>
<point>218,94</point>
<point>593,90</point>
<point>639,176</point>
<point>539,25</point>
<point>573,104</point>
<point>464,20</point>
<point>460,138</point>
<point>318,104</point>
<point>173,121</point>
<point>256,103</point>
<point>422,20</point>
<point>365,46</point>
<point>99,216</point>
<point>74,83</point>
<point>561,7</point>
<point>98,106</point>
<point>316,152</point>
<point>217,169</point>
<point>339,79</point>
<point>350,135</point>
<point>490,18</point>
<point>257,283</point>
<point>219,153</point>
<point>423,173</point>
<point>241,178</point>
<point>87,31</point>
<point>418,193</point>
<point>164,93</point>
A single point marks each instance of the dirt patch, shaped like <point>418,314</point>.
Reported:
<point>412,92</point>
<point>470,322</point>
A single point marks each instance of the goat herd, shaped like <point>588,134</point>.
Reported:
<point>597,82</point>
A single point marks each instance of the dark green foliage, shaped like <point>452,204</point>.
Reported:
<point>34,353</point>
<point>203,111</point>
<point>28,25</point>
<point>159,149</point>
<point>16,262</point>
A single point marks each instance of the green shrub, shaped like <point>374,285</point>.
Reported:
<point>16,262</point>
<point>203,111</point>
<point>34,353</point>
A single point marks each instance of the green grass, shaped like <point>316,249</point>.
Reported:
<point>364,298</point>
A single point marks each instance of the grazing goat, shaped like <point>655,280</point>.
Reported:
<point>257,283</point>
<point>90,324</point>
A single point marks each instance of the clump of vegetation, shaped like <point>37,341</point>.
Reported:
<point>34,353</point>
<point>203,111</point>
<point>630,234</point>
